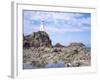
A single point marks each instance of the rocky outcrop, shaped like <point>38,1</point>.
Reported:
<point>76,44</point>
<point>74,55</point>
<point>37,39</point>
<point>39,52</point>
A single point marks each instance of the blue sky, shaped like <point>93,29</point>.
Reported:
<point>62,27</point>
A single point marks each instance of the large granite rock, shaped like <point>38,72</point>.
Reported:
<point>37,39</point>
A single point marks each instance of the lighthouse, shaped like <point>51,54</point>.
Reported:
<point>42,26</point>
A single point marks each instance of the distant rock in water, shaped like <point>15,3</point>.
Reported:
<point>59,45</point>
<point>37,39</point>
<point>76,44</point>
<point>79,47</point>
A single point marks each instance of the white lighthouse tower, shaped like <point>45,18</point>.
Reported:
<point>42,26</point>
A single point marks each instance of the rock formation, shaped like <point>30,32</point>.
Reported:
<point>39,52</point>
<point>37,39</point>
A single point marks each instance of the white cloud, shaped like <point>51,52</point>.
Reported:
<point>61,22</point>
<point>63,30</point>
<point>54,15</point>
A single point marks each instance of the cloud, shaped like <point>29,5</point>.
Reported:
<point>63,30</point>
<point>58,22</point>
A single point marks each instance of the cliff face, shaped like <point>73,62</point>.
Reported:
<point>37,39</point>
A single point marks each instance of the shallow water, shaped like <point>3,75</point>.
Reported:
<point>49,65</point>
<point>55,65</point>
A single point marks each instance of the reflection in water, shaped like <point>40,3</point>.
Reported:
<point>55,65</point>
<point>49,65</point>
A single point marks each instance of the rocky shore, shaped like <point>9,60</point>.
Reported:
<point>39,52</point>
